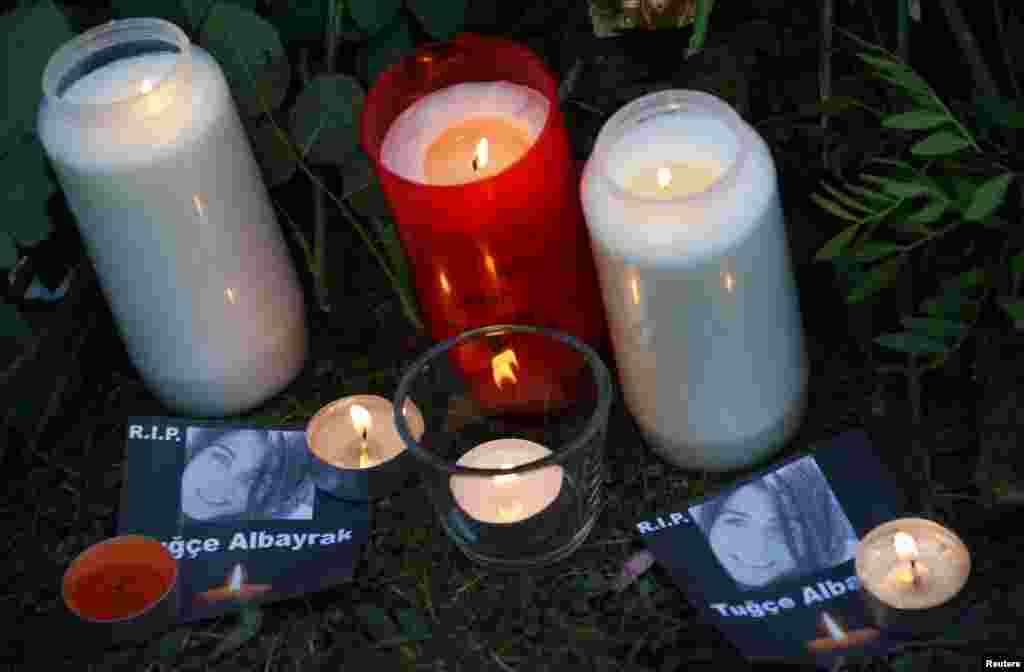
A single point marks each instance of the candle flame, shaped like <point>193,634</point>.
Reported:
<point>146,86</point>
<point>728,281</point>
<point>489,263</point>
<point>635,287</point>
<point>480,155</point>
<point>229,294</point>
<point>364,457</point>
<point>906,548</point>
<point>664,177</point>
<point>360,418</point>
<point>237,579</point>
<point>502,367</point>
<point>510,512</point>
<point>835,631</point>
<point>445,285</point>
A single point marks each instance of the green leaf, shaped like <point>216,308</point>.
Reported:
<point>837,105</point>
<point>992,111</point>
<point>30,36</point>
<point>325,119</point>
<point>249,50</point>
<point>873,250</point>
<point>911,342</point>
<point>441,20</point>
<point>8,252</point>
<point>276,158</point>
<point>25,186</point>
<point>1015,309</point>
<point>935,328</point>
<point>300,21</point>
<point>837,244</point>
<point>835,208</point>
<point>169,10</point>
<point>976,277</point>
<point>250,618</point>
<point>915,120</point>
<point>879,198</point>
<point>377,621</point>
<point>941,143</point>
<point>851,203</point>
<point>883,64</point>
<point>413,627</point>
<point>931,212</point>
<point>898,188</point>
<point>1016,264</point>
<point>988,197</point>
<point>875,280</point>
<point>360,187</point>
<point>168,647</point>
<point>386,48</point>
<point>373,15</point>
<point>12,324</point>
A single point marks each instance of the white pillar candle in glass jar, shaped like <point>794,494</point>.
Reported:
<point>148,147</point>
<point>683,208</point>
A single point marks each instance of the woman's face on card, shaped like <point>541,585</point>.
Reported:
<point>748,538</point>
<point>217,480</point>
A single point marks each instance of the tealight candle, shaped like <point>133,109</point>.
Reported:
<point>358,447</point>
<point>686,224</point>
<point>509,498</point>
<point>120,580</point>
<point>911,571</point>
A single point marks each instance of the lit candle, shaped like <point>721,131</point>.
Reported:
<point>119,579</point>
<point>356,442</point>
<point>507,498</point>
<point>686,224</point>
<point>173,211</point>
<point>836,637</point>
<point>472,153</point>
<point>235,588</point>
<point>909,568</point>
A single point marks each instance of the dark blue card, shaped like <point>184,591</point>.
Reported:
<point>770,559</point>
<point>237,506</point>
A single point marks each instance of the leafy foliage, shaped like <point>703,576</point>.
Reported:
<point>915,204</point>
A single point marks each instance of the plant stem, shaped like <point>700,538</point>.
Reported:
<point>969,45</point>
<point>997,7</point>
<point>825,75</point>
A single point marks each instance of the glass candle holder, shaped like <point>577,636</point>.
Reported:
<point>686,222</point>
<point>516,483</point>
<point>147,145</point>
<point>477,226</point>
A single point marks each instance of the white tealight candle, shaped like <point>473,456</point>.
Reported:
<point>158,172</point>
<point>686,223</point>
<point>464,133</point>
<point>912,564</point>
<point>358,432</point>
<point>506,498</point>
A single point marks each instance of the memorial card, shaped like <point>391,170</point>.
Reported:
<point>237,507</point>
<point>770,559</point>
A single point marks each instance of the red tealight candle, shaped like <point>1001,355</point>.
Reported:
<point>119,579</point>
<point>473,156</point>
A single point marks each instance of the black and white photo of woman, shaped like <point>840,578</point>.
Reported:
<point>783,525</point>
<point>246,474</point>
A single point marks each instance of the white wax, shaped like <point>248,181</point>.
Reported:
<point>177,221</point>
<point>406,142</point>
<point>942,564</point>
<point>508,498</point>
<point>697,284</point>
<point>335,437</point>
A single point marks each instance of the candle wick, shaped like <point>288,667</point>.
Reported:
<point>475,164</point>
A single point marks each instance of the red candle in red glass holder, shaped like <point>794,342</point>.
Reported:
<point>493,231</point>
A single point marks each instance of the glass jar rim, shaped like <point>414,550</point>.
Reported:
<point>602,380</point>
<point>669,101</point>
<point>101,38</point>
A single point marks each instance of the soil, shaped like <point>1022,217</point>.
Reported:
<point>63,483</point>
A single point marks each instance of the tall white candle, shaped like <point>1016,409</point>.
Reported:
<point>683,208</point>
<point>159,175</point>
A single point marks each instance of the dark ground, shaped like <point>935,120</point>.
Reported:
<point>62,490</point>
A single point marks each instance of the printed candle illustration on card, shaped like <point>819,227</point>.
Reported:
<point>236,588</point>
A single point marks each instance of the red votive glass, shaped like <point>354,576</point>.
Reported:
<point>510,248</point>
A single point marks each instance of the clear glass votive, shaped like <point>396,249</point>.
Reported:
<point>513,463</point>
